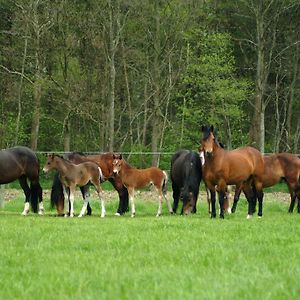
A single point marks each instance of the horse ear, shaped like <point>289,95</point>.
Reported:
<point>120,156</point>
<point>212,128</point>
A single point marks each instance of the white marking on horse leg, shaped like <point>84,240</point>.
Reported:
<point>101,177</point>
<point>41,208</point>
<point>132,205</point>
<point>26,209</point>
<point>84,207</point>
<point>159,206</point>
<point>229,210</point>
<point>67,202</point>
<point>71,204</point>
<point>169,205</point>
<point>103,211</point>
<point>117,214</point>
<point>249,217</point>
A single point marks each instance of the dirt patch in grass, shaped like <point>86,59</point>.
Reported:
<point>11,194</point>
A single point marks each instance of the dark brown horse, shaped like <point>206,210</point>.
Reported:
<point>186,176</point>
<point>134,178</point>
<point>22,163</point>
<point>72,175</point>
<point>237,167</point>
<point>280,166</point>
<point>104,161</point>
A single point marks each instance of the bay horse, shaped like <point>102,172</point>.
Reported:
<point>281,166</point>
<point>242,166</point>
<point>104,161</point>
<point>134,178</point>
<point>186,176</point>
<point>22,163</point>
<point>72,175</point>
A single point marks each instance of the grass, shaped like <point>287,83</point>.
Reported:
<point>171,257</point>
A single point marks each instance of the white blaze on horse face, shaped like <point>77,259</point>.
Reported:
<point>116,166</point>
<point>202,158</point>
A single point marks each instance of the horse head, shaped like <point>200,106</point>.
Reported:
<point>117,163</point>
<point>208,141</point>
<point>49,165</point>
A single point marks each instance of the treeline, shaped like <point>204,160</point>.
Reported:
<point>131,75</point>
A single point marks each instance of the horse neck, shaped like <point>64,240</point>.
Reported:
<point>125,168</point>
<point>62,165</point>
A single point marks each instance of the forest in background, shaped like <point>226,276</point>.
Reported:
<point>131,75</point>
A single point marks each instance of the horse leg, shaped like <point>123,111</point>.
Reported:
<point>221,203</point>
<point>250,196</point>
<point>159,203</point>
<point>293,187</point>
<point>72,192</point>
<point>176,195</point>
<point>259,196</point>
<point>213,202</point>
<point>85,204</point>
<point>292,204</point>
<point>131,199</point>
<point>123,195</point>
<point>236,198</point>
<point>208,197</point>
<point>26,189</point>
<point>85,194</point>
<point>66,192</point>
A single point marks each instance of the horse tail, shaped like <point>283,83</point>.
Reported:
<point>35,191</point>
<point>165,183</point>
<point>57,193</point>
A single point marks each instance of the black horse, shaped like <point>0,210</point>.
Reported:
<point>104,161</point>
<point>22,163</point>
<point>186,176</point>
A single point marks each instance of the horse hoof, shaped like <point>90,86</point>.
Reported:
<point>133,215</point>
<point>102,216</point>
<point>249,217</point>
<point>25,213</point>
<point>117,214</point>
<point>158,215</point>
<point>259,217</point>
<point>80,216</point>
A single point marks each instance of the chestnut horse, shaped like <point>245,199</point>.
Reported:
<point>72,175</point>
<point>22,163</point>
<point>134,178</point>
<point>279,166</point>
<point>104,161</point>
<point>237,167</point>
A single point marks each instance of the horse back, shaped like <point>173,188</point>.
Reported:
<point>18,161</point>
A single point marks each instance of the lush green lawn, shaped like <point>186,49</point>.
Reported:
<point>171,257</point>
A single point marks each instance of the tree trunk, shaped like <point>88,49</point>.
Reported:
<point>156,97</point>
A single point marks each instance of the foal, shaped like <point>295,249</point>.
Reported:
<point>72,175</point>
<point>134,178</point>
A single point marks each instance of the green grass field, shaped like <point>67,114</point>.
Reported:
<point>171,257</point>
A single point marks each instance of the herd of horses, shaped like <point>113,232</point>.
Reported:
<point>245,168</point>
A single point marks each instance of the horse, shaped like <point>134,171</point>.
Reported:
<point>186,176</point>
<point>134,178</point>
<point>280,166</point>
<point>104,161</point>
<point>242,166</point>
<point>72,175</point>
<point>22,163</point>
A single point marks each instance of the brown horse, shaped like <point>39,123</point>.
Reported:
<point>134,178</point>
<point>104,161</point>
<point>72,175</point>
<point>279,166</point>
<point>237,167</point>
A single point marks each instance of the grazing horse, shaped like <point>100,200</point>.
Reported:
<point>280,166</point>
<point>134,178</point>
<point>237,167</point>
<point>22,163</point>
<point>104,161</point>
<point>72,175</point>
<point>186,176</point>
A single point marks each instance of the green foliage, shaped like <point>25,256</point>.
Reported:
<point>210,90</point>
